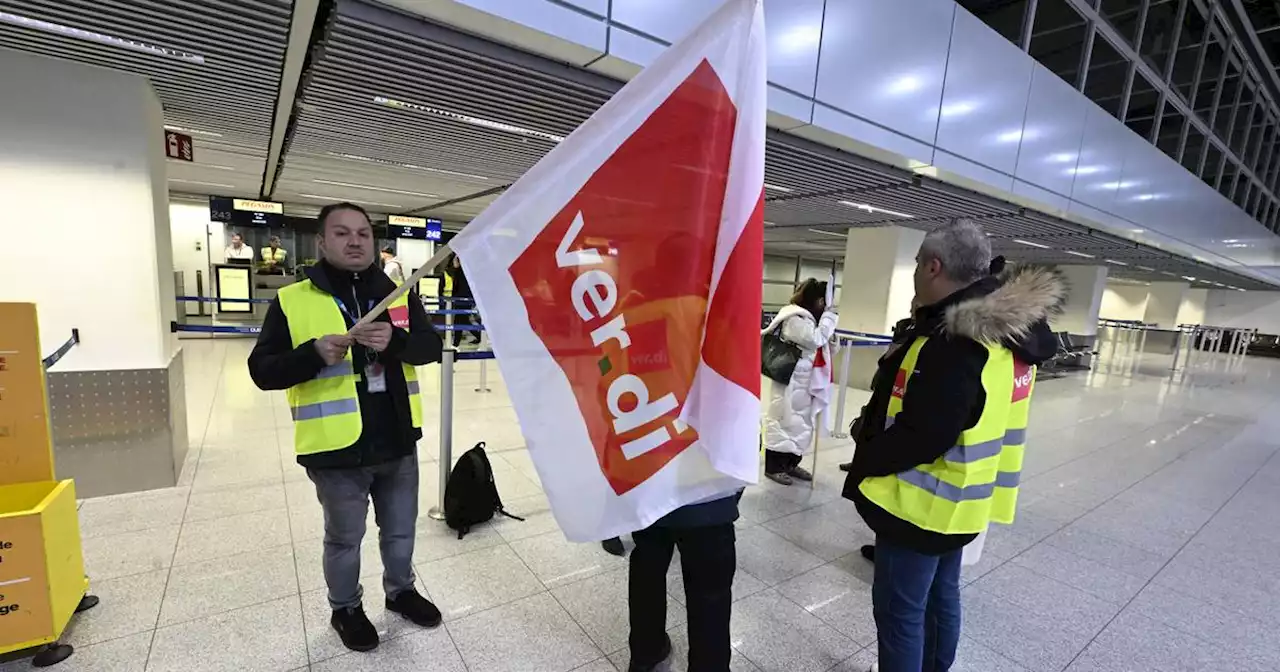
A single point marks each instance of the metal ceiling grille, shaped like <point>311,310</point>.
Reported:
<point>229,97</point>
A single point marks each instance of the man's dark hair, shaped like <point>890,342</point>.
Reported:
<point>334,207</point>
<point>389,251</point>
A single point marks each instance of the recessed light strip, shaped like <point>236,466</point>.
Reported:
<point>467,119</point>
<point>203,184</point>
<point>338,199</point>
<point>368,187</point>
<point>830,233</point>
<point>1117,263</point>
<point>192,131</point>
<point>775,187</point>
<point>865,207</point>
<point>1079,254</point>
<point>109,40</point>
<point>1031,244</point>
<point>385,162</point>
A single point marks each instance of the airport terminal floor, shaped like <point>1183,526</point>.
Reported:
<point>1145,540</point>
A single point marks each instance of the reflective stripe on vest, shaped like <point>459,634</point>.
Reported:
<point>1004,502</point>
<point>326,409</point>
<point>953,494</point>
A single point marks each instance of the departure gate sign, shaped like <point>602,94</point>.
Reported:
<point>417,228</point>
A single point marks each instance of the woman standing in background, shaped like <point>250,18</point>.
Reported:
<point>794,407</point>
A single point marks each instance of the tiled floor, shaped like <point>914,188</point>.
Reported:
<point>1146,540</point>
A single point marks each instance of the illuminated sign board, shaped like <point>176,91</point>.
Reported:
<point>418,228</point>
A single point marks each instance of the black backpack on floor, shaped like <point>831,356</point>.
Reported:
<point>471,496</point>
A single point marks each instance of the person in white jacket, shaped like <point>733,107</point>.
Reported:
<point>794,408</point>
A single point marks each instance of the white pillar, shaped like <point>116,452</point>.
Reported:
<point>1164,300</point>
<point>1084,299</point>
<point>1193,305</point>
<point>877,284</point>
<point>86,225</point>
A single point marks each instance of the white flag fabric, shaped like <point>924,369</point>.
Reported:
<point>619,281</point>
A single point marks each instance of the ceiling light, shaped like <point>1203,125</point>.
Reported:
<point>829,233</point>
<point>1145,268</point>
<point>367,187</point>
<point>1188,278</point>
<point>367,159</point>
<point>192,131</point>
<point>467,119</point>
<point>1079,254</point>
<point>203,184</point>
<point>1117,263</point>
<point>1084,170</point>
<point>1009,136</point>
<point>1031,244</point>
<point>775,187</point>
<point>1137,230</point>
<point>1238,289</point>
<point>800,37</point>
<point>337,199</point>
<point>110,40</point>
<point>1172,275</point>
<point>958,109</point>
<point>873,209</point>
<point>1062,157</point>
<point>904,84</point>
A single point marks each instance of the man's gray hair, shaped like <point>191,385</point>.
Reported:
<point>962,247</point>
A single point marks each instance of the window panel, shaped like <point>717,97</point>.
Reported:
<point>1227,184</point>
<point>1058,35</point>
<point>1189,45</point>
<point>1104,84</point>
<point>1227,94</point>
<point>1244,116</point>
<point>1214,61</point>
<point>1158,33</point>
<point>1123,15</point>
<point>1212,164</point>
<point>1143,103</point>
<point>1193,150</point>
<point>1171,125</point>
<point>1003,16</point>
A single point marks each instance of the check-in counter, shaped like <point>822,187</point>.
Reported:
<point>266,286</point>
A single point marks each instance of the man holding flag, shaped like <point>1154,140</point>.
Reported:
<point>638,392</point>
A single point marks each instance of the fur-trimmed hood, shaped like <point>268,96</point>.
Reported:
<point>1025,297</point>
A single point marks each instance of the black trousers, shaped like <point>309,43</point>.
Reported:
<point>708,559</point>
<point>777,462</point>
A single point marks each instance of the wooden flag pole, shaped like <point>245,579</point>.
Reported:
<point>431,265</point>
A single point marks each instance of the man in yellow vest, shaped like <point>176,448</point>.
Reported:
<point>931,450</point>
<point>357,414</point>
<point>274,257</point>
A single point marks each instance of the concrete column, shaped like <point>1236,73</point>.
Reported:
<point>83,179</point>
<point>1164,300</point>
<point>1084,299</point>
<point>1192,309</point>
<point>877,280</point>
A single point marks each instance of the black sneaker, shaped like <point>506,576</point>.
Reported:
<point>416,608</point>
<point>868,551</point>
<point>614,547</point>
<point>354,628</point>
<point>650,667</point>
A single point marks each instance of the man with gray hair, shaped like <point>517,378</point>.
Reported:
<point>935,462</point>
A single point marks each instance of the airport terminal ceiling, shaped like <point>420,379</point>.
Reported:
<point>405,116</point>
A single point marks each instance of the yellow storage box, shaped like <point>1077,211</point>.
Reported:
<point>42,576</point>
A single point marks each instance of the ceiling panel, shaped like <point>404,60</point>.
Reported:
<point>215,66</point>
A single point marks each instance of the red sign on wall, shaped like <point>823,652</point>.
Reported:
<point>178,146</point>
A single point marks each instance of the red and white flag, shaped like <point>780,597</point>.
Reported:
<point>619,281</point>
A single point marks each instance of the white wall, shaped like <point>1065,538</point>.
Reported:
<point>190,227</point>
<point>1123,302</point>
<point>82,176</point>
<point>1244,310</point>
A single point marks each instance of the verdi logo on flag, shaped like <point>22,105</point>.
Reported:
<point>619,281</point>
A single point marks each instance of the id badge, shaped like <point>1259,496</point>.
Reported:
<point>376,378</point>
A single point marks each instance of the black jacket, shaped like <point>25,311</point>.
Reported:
<point>388,426</point>
<point>945,396</point>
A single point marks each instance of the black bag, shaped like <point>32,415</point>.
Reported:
<point>471,496</point>
<point>778,358</point>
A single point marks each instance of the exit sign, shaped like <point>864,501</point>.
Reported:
<point>178,146</point>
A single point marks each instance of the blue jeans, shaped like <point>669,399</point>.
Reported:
<point>916,601</point>
<point>344,495</point>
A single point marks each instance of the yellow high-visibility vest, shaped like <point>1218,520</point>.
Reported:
<point>326,409</point>
<point>955,493</point>
<point>1015,443</point>
<point>278,255</point>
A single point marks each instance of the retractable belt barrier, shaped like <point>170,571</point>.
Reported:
<point>174,327</point>
<point>845,342</point>
<point>214,299</point>
<point>62,349</point>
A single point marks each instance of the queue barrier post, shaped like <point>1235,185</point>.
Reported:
<point>446,430</point>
